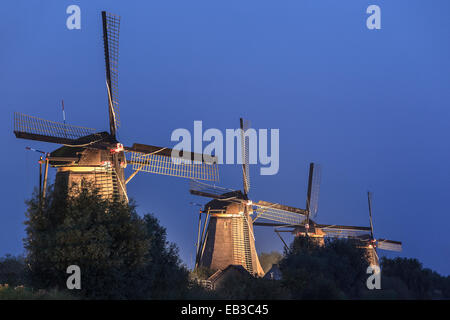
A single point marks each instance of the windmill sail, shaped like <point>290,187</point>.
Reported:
<point>315,188</point>
<point>168,152</point>
<point>336,231</point>
<point>111,26</point>
<point>245,145</point>
<point>171,166</point>
<point>205,190</point>
<point>34,128</point>
<point>369,200</point>
<point>312,199</point>
<point>389,245</point>
<point>278,212</point>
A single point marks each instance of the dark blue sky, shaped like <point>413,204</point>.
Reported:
<point>370,106</point>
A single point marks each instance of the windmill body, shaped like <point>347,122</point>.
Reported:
<point>229,237</point>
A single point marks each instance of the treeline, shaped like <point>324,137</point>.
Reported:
<point>125,256</point>
<point>336,270</point>
<point>121,255</point>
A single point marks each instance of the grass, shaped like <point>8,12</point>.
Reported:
<point>24,293</point>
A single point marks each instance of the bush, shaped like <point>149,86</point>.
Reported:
<point>22,293</point>
<point>268,259</point>
<point>249,288</point>
<point>125,256</point>
<point>12,270</point>
<point>334,270</point>
<point>120,254</point>
<point>409,280</point>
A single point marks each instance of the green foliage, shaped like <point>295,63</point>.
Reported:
<point>244,288</point>
<point>407,279</point>
<point>165,277</point>
<point>268,259</point>
<point>334,270</point>
<point>201,273</point>
<point>236,287</point>
<point>120,254</point>
<point>12,270</point>
<point>22,293</point>
<point>125,256</point>
<point>337,270</point>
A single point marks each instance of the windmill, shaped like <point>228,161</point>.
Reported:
<point>99,157</point>
<point>363,235</point>
<point>227,236</point>
<point>306,226</point>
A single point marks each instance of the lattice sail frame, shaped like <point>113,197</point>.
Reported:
<point>112,31</point>
<point>315,188</point>
<point>37,126</point>
<point>172,166</point>
<point>245,148</point>
<point>389,245</point>
<point>205,188</point>
<point>272,213</point>
<point>344,233</point>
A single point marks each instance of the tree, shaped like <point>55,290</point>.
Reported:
<point>268,259</point>
<point>165,276</point>
<point>333,270</point>
<point>120,254</point>
<point>337,269</point>
<point>12,270</point>
<point>242,287</point>
<point>409,280</point>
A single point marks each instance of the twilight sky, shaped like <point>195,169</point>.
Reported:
<point>371,106</point>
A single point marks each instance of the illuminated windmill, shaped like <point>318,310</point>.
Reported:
<point>98,157</point>
<point>309,228</point>
<point>227,236</point>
